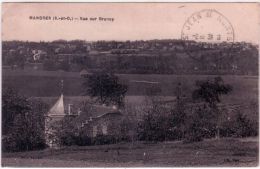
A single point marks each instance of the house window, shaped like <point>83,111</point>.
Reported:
<point>104,129</point>
<point>94,131</point>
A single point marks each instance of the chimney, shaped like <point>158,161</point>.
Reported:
<point>69,109</point>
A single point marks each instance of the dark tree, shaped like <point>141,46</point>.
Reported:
<point>105,88</point>
<point>210,91</point>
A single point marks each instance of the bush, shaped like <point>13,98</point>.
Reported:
<point>240,126</point>
<point>192,138</point>
<point>161,123</point>
<point>226,130</point>
<point>243,127</point>
<point>200,124</point>
<point>9,144</point>
<point>83,140</point>
<point>67,134</point>
<point>105,139</point>
<point>67,139</point>
<point>17,143</point>
<point>23,122</point>
<point>154,127</point>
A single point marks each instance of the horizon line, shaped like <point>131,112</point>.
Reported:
<point>46,41</point>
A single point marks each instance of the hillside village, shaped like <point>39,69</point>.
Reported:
<point>130,57</point>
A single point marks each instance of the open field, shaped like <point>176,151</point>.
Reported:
<point>223,152</point>
<point>46,84</point>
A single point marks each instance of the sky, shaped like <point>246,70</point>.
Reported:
<point>132,21</point>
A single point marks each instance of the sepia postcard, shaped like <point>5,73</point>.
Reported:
<point>130,84</point>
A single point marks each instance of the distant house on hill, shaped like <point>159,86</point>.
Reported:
<point>38,55</point>
<point>84,72</point>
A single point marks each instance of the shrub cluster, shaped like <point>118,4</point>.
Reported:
<point>85,140</point>
<point>201,123</point>
<point>22,122</point>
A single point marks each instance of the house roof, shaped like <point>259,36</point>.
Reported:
<point>96,112</point>
<point>58,108</point>
<point>110,113</point>
<point>84,72</point>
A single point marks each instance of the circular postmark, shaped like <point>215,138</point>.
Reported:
<point>208,25</point>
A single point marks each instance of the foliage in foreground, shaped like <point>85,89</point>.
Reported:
<point>201,119</point>
<point>23,122</point>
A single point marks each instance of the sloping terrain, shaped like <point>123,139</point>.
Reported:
<point>224,152</point>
